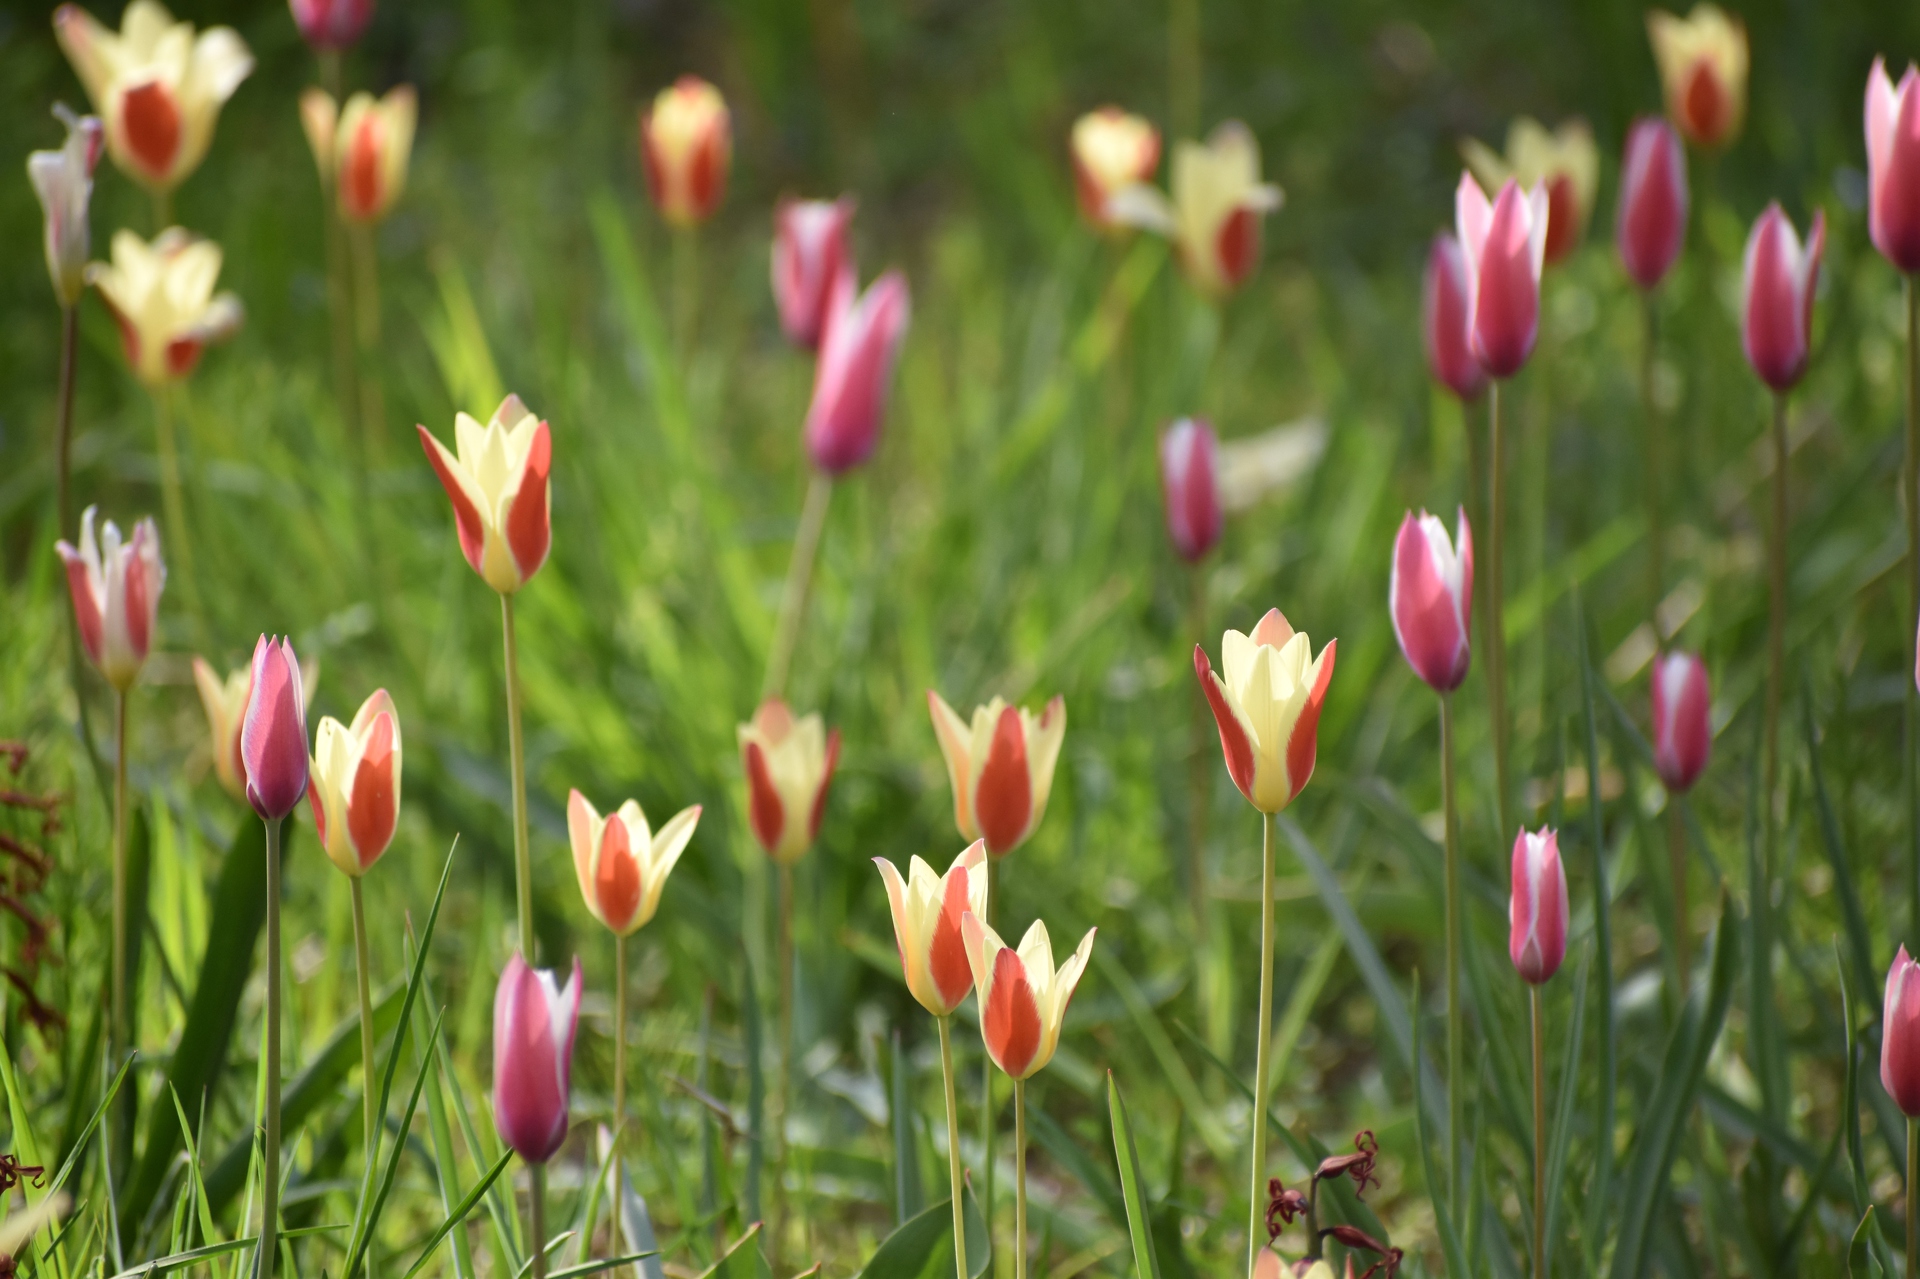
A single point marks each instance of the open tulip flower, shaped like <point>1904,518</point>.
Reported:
<point>1778,280</point>
<point>157,85</point>
<point>273,732</point>
<point>534,1020</point>
<point>1564,161</point>
<point>161,295</point>
<point>1001,766</point>
<point>1537,910</point>
<point>1505,243</point>
<point>331,24</point>
<point>854,376</point>
<point>1023,999</point>
<point>686,144</point>
<point>498,484</point>
<point>355,790</point>
<point>363,149</point>
<point>1682,725</point>
<point>789,764</point>
<point>1190,484</point>
<point>810,254</point>
<point>622,865</point>
<point>63,180</point>
<point>116,588</point>
<point>1430,598</point>
<point>1651,224</point>
<point>1446,319</point>
<point>1266,703</point>
<point>1703,71</point>
<point>1893,165</point>
<point>1214,215</point>
<point>927,910</point>
<point>1111,149</point>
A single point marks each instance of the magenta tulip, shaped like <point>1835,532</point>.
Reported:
<point>1900,1035</point>
<point>1538,910</point>
<point>1893,165</point>
<point>1777,289</point>
<point>1651,224</point>
<point>1682,732</point>
<point>273,736</point>
<point>855,372</point>
<point>1190,483</point>
<point>1446,322</point>
<point>116,588</point>
<point>331,24</point>
<point>533,1024</point>
<point>1505,244</point>
<point>1430,597</point>
<point>810,254</point>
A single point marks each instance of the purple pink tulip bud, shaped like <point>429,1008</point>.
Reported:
<point>273,736</point>
<point>1900,1035</point>
<point>1777,290</point>
<point>855,371</point>
<point>63,180</point>
<point>810,254</point>
<point>331,24</point>
<point>1505,244</point>
<point>1430,597</point>
<point>1682,732</point>
<point>1893,165</point>
<point>1651,224</point>
<point>116,596</point>
<point>1538,910</point>
<point>534,1020</point>
<point>1446,322</point>
<point>1190,482</point>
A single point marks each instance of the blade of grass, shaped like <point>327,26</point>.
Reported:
<point>1442,1214</point>
<point>179,1260</point>
<point>1562,1140</point>
<point>1146,1263</point>
<point>1601,1189</point>
<point>367,1219</point>
<point>1859,938</point>
<point>1856,1161</point>
<point>459,1213</point>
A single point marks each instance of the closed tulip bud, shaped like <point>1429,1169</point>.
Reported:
<point>1651,224</point>
<point>116,589</point>
<point>1266,703</point>
<point>1190,483</point>
<point>63,180</point>
<point>621,864</point>
<point>1214,215</point>
<point>1682,727</point>
<point>1446,319</point>
<point>331,24</point>
<point>927,910</point>
<point>1703,72</point>
<point>1111,149</point>
<point>161,296</point>
<point>686,144</point>
<point>1505,243</point>
<point>355,790</point>
<point>273,734</point>
<point>1023,999</point>
<point>363,150</point>
<point>1001,767</point>
<point>1778,280</point>
<point>1538,908</point>
<point>1564,162</point>
<point>498,484</point>
<point>225,701</point>
<point>810,254</point>
<point>156,85</point>
<point>534,1020</point>
<point>1430,597</point>
<point>1900,1035</point>
<point>1893,165</point>
<point>854,374</point>
<point>789,765</point>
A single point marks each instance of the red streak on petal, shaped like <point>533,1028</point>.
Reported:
<point>826,783</point>
<point>1004,803</point>
<point>1233,739</point>
<point>182,355</point>
<point>466,517</point>
<point>764,809</point>
<point>138,602</point>
<point>1306,729</point>
<point>360,172</point>
<point>1705,108</point>
<point>1237,245</point>
<point>616,880</point>
<point>151,119</point>
<point>947,950</point>
<point>372,806</point>
<point>319,810</point>
<point>86,610</point>
<point>529,530</point>
<point>1563,218</point>
<point>1011,1023</point>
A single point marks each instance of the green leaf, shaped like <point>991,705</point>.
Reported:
<point>1561,1140</point>
<point>1069,1154</point>
<point>179,1260</point>
<point>596,1266</point>
<point>1857,1250</point>
<point>459,1213</point>
<point>1146,1264</point>
<point>742,1259</point>
<point>922,1248</point>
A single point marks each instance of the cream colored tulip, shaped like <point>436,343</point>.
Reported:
<point>161,294</point>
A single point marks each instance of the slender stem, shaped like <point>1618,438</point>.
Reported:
<point>162,210</point>
<point>1019,1179</point>
<point>1263,1051</point>
<point>329,60</point>
<point>63,423</point>
<point>366,323</point>
<point>1476,507</point>
<point>537,1213</point>
<point>686,291</point>
<point>1183,66</point>
<point>119,873</point>
<point>1539,1133</point>
<point>1200,766</point>
<point>1910,483</point>
<point>364,969</point>
<point>1496,605</point>
<point>516,747</point>
<point>1677,862</point>
<point>1456,1014</point>
<point>270,1192</point>
<point>988,1114</point>
<point>953,1147</point>
<point>619,1076</point>
<point>172,496</point>
<point>1776,637</point>
<point>793,596</point>
<point>1656,464</point>
<point>1913,1198</point>
<point>783,1081</point>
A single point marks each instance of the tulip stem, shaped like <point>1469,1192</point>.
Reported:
<point>793,596</point>
<point>119,873</point>
<point>1539,1132</point>
<point>1496,605</point>
<point>1910,482</point>
<point>516,746</point>
<point>270,1190</point>
<point>162,210</point>
<point>537,1215</point>
<point>953,1148</point>
<point>1677,861</point>
<point>1019,1179</point>
<point>1456,1035</point>
<point>988,1114</point>
<point>1776,639</point>
<point>1476,508</point>
<point>1262,1049</point>
<point>686,292</point>
<point>1913,1197</point>
<point>174,499</point>
<point>364,969</point>
<point>782,1083</point>
<point>63,423</point>
<point>1200,766</point>
<point>619,1077</point>
<point>1656,465</point>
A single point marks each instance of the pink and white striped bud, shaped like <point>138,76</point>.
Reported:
<point>809,256</point>
<point>1900,1035</point>
<point>116,595</point>
<point>1190,483</point>
<point>1538,909</point>
<point>63,180</point>
<point>1430,597</point>
<point>1682,729</point>
<point>1505,243</point>
<point>1893,165</point>
<point>1777,288</point>
<point>1446,320</point>
<point>855,372</point>
<point>534,1019</point>
<point>1651,225</point>
<point>273,736</point>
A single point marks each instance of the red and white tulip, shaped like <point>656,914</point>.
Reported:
<point>1430,598</point>
<point>1505,243</point>
<point>354,784</point>
<point>1446,319</point>
<point>498,484</point>
<point>1778,281</point>
<point>1214,215</point>
<point>1900,1035</point>
<point>1703,60</point>
<point>853,378</point>
<point>1023,998</point>
<point>621,863</point>
<point>927,912</point>
<point>1001,767</point>
<point>161,295</point>
<point>1651,225</point>
<point>1190,484</point>
<point>1266,702</point>
<point>1112,149</point>
<point>1537,910</point>
<point>789,764</point>
<point>362,150</point>
<point>63,180</point>
<point>1893,165</point>
<point>116,588</point>
<point>534,1020</point>
<point>810,254</point>
<point>686,146</point>
<point>273,733</point>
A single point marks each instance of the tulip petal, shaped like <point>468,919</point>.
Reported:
<point>1304,739</point>
<point>1010,1022</point>
<point>528,530</point>
<point>373,803</point>
<point>1235,742</point>
<point>955,740</point>
<point>764,810</point>
<point>464,495</point>
<point>1003,799</point>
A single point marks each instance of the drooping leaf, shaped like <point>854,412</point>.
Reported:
<point>922,1248</point>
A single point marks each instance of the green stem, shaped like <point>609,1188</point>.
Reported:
<point>1913,1198</point>
<point>1656,465</point>
<point>953,1148</point>
<point>793,595</point>
<point>686,292</point>
<point>1019,1179</point>
<point>537,1213</point>
<point>1200,766</point>
<point>119,873</point>
<point>1910,483</point>
<point>329,60</point>
<point>1183,66</point>
<point>783,1081</point>
<point>619,1077</point>
<point>1476,508</point>
<point>1539,1133</point>
<point>63,422</point>
<point>162,210</point>
<point>988,1115</point>
<point>363,968</point>
<point>1456,1014</point>
<point>173,497</point>
<point>516,747</point>
<point>1677,862</point>
<point>1263,1050</point>
<point>1496,606</point>
<point>1776,638</point>
<point>270,1191</point>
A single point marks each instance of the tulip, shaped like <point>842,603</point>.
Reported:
<point>1682,732</point>
<point>1651,224</point>
<point>331,24</point>
<point>621,864</point>
<point>534,1020</point>
<point>686,144</point>
<point>355,777</point>
<point>1900,1035</point>
<point>157,86</point>
<point>273,734</point>
<point>1214,215</point>
<point>1190,483</point>
<point>927,910</point>
<point>810,254</point>
<point>116,589</point>
<point>362,150</point>
<point>789,765</point>
<point>1447,319</point>
<point>1430,597</point>
<point>161,296</point>
<point>1703,71</point>
<point>851,382</point>
<point>225,701</point>
<point>1505,244</point>
<point>63,180</point>
<point>1267,707</point>
<point>498,486</point>
<point>1893,165</point>
<point>1001,766</point>
<point>1777,288</point>
<point>1023,1000</point>
<point>1111,149</point>
<point>1537,910</point>
<point>1564,161</point>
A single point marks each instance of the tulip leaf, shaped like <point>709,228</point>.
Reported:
<point>1146,1263</point>
<point>636,1226</point>
<point>1560,1141</point>
<point>922,1248</point>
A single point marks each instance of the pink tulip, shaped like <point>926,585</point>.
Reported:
<point>1446,322</point>
<point>850,384</point>
<point>1777,290</point>
<point>273,737</point>
<point>1190,482</point>
<point>1505,244</point>
<point>116,595</point>
<point>810,254</point>
<point>1430,596</point>
<point>1893,165</point>
<point>331,24</point>
<point>1651,224</point>
<point>1900,1036</point>
<point>1682,733</point>
<point>1538,911</point>
<point>63,180</point>
<point>533,1024</point>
